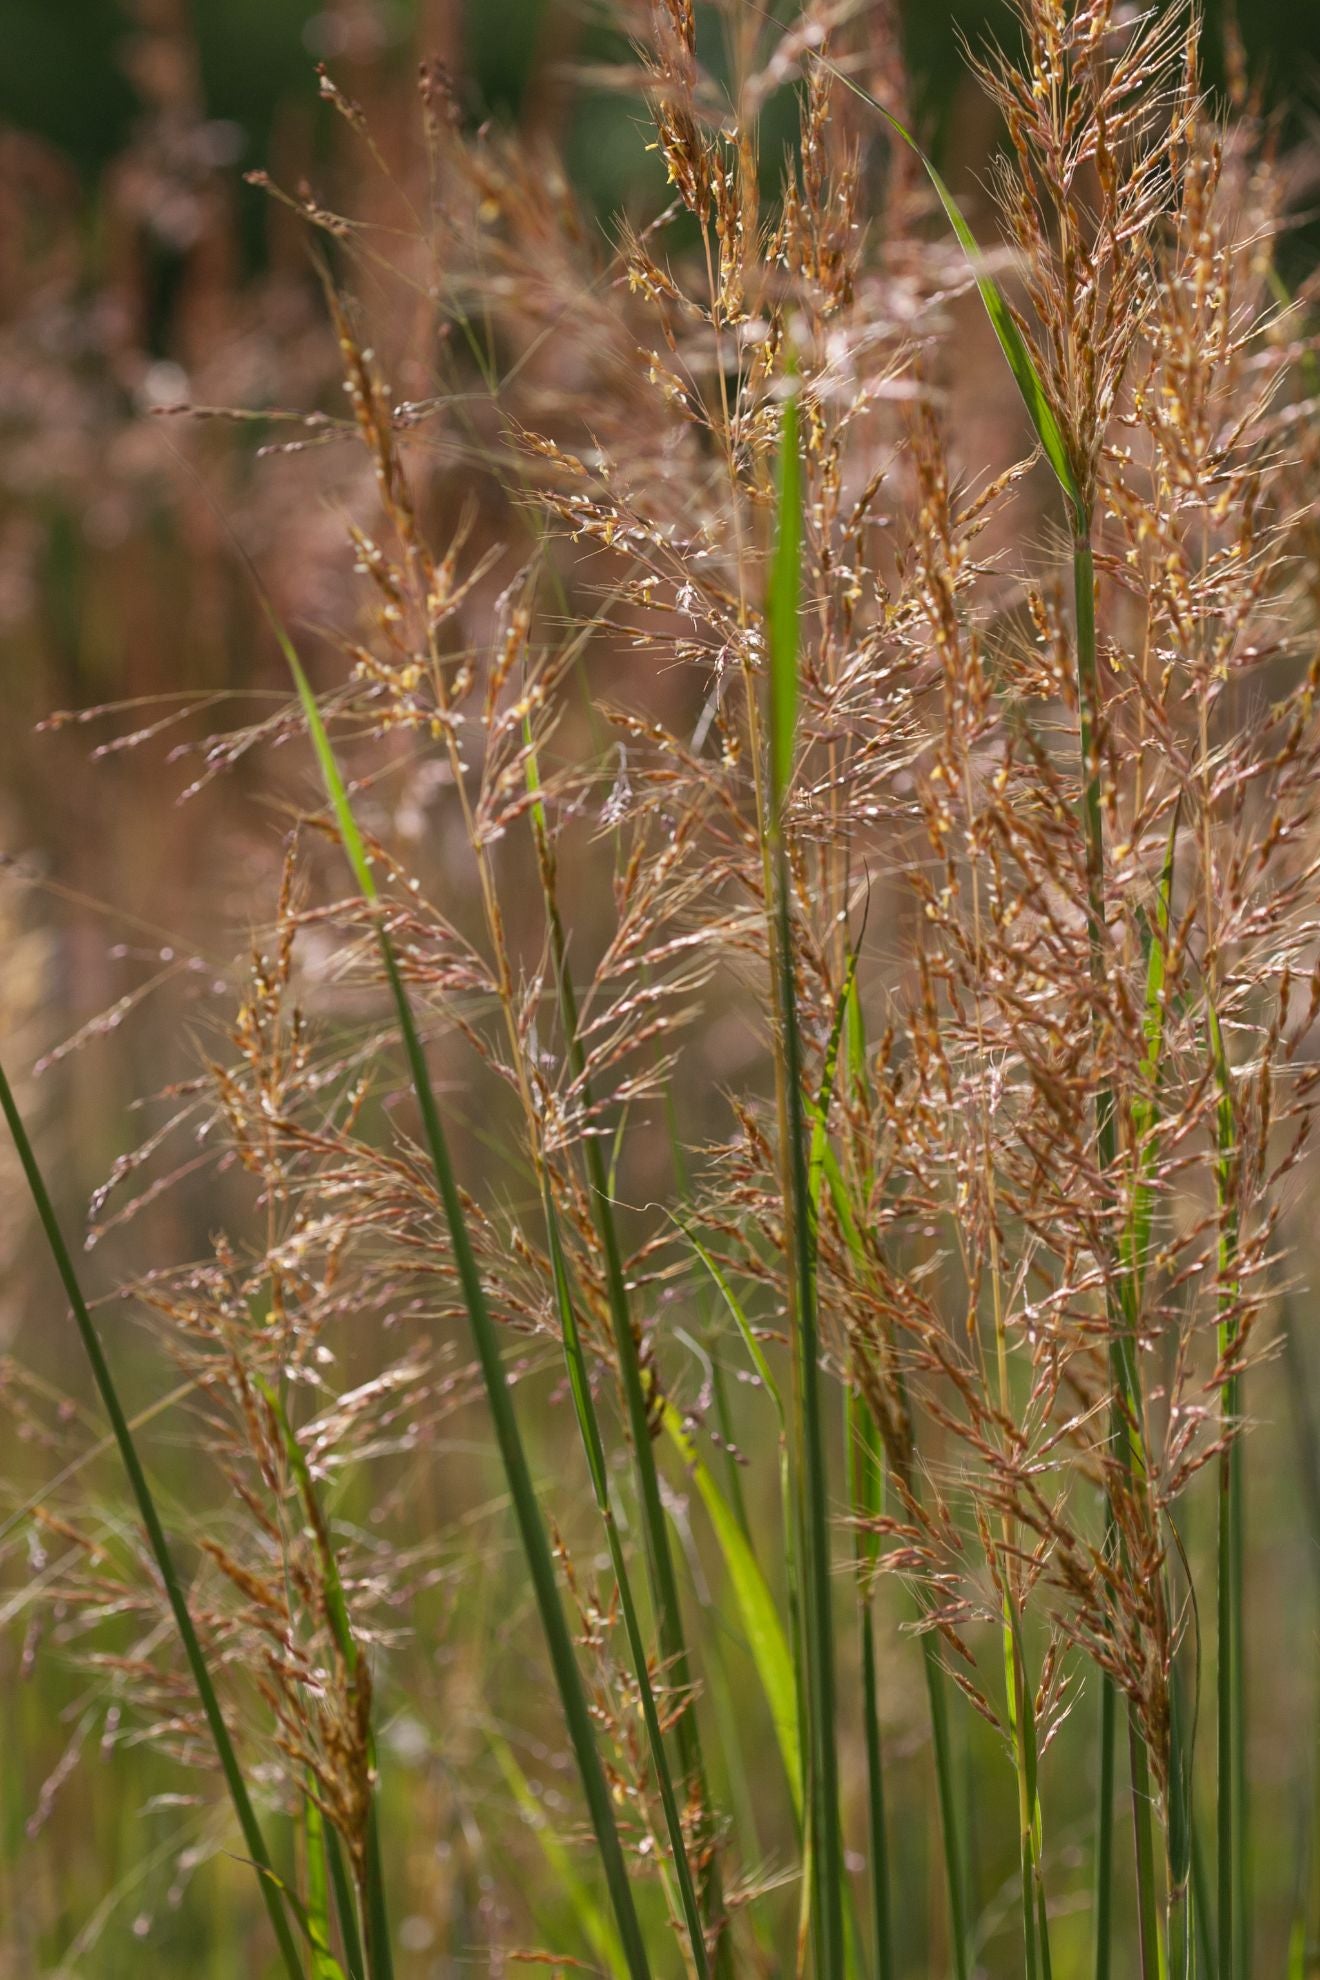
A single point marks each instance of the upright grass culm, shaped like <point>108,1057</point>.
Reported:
<point>1232,1922</point>
<point>585,1408</point>
<point>521,1490</point>
<point>820,1745</point>
<point>659,1555</point>
<point>378,1959</point>
<point>866,1492</point>
<point>254,1841</point>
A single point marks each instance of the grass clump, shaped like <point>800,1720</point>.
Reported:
<point>847,917</point>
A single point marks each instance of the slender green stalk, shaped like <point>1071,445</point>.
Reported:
<point>1026,1848</point>
<point>1180,1955</point>
<point>1229,1728</point>
<point>344,1908</point>
<point>1238,1516</point>
<point>253,1839</point>
<point>1242,1855</point>
<point>1304,1939</point>
<point>655,1528</point>
<point>580,1382</point>
<point>522,1492</point>
<point>1127,1415</point>
<point>568,1887</point>
<point>1181,1917</point>
<point>1022,1728</point>
<point>1205,1960</point>
<point>379,1957</point>
<point>937,1699</point>
<point>1143,1824</point>
<point>1226,1873</point>
<point>866,1477</point>
<point>324,1964</point>
<point>1103,1876</point>
<point>809,1429</point>
<point>824,1157</point>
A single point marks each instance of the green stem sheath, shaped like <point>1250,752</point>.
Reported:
<point>1126,1415</point>
<point>821,1747</point>
<point>589,1427</point>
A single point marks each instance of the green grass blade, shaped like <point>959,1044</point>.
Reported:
<point>522,1492</point>
<point>722,1410</point>
<point>345,1909</point>
<point>866,1493</point>
<point>588,1425</point>
<point>1181,1916</point>
<point>350,837</point>
<point>1136,1243</point>
<point>379,1954</point>
<point>1206,1959</point>
<point>655,1529</point>
<point>829,1875</point>
<point>1002,321</point>
<point>1022,1732</point>
<point>318,1879</point>
<point>820,1109</point>
<point>754,1349</point>
<point>271,1886</point>
<point>938,1704</point>
<point>1229,1727</point>
<point>855,1034</point>
<point>782,601</point>
<point>596,1927</point>
<point>324,1964</point>
<point>766,1641</point>
<point>1103,1874</point>
<point>1143,1800</point>
<point>781,1676</point>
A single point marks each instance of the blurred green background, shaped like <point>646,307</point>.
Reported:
<point>254,53</point>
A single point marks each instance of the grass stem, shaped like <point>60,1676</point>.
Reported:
<point>522,1492</point>
<point>253,1839</point>
<point>809,1428</point>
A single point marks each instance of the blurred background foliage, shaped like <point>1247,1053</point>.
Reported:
<point>255,55</point>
